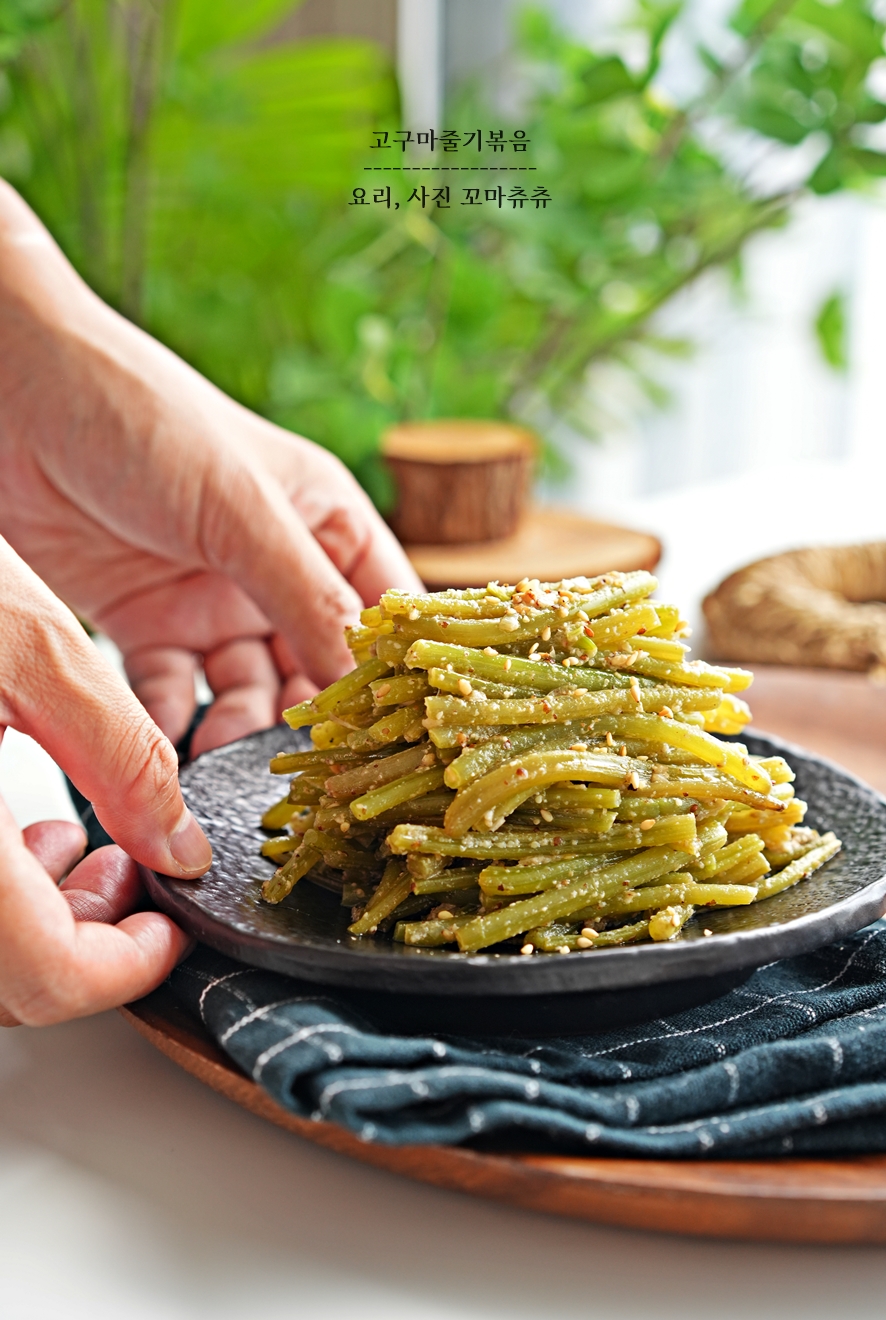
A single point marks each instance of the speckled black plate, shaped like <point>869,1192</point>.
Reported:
<point>306,935</point>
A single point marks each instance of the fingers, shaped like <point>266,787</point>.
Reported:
<point>162,678</point>
<point>56,687</point>
<point>339,514</point>
<point>105,887</point>
<point>244,679</point>
<point>195,612</point>
<point>366,552</point>
<point>249,531</point>
<point>57,845</point>
<point>53,967</point>
<point>296,689</point>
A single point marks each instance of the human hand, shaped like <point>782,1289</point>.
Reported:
<point>65,953</point>
<point>175,520</point>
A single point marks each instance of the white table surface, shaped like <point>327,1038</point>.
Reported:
<point>128,1191</point>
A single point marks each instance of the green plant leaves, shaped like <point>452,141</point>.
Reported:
<point>203,26</point>
<point>602,79</point>
<point>830,330</point>
<point>222,222</point>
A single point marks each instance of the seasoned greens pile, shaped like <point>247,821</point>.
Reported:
<point>537,768</point>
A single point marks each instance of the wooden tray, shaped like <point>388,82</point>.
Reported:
<point>838,715</point>
<point>550,544</point>
<point>785,1200</point>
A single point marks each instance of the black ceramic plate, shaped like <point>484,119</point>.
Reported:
<point>306,935</point>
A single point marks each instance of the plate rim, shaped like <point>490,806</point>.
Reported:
<point>510,974</point>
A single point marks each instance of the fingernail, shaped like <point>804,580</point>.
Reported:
<point>190,846</point>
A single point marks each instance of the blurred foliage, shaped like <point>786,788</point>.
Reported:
<point>198,173</point>
<point>189,166</point>
<point>831,331</point>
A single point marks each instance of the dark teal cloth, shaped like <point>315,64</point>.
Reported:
<point>793,1061</point>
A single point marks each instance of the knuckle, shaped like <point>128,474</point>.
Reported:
<point>148,764</point>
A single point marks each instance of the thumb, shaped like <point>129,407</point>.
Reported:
<point>56,687</point>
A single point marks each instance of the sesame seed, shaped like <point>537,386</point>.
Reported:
<point>609,740</point>
<point>588,933</point>
<point>528,949</point>
<point>634,779</point>
<point>546,815</point>
<point>507,664</point>
<point>579,747</point>
<point>533,648</point>
<point>647,824</point>
<point>444,916</point>
<point>545,634</point>
<point>382,691</point>
<point>623,751</point>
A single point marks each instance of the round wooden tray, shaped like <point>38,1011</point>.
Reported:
<point>841,716</point>
<point>549,544</point>
<point>785,1200</point>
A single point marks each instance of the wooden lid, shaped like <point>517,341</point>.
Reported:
<point>457,441</point>
<point>550,544</point>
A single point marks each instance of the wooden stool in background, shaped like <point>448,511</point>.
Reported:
<point>462,511</point>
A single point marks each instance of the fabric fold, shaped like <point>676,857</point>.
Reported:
<point>792,1061</point>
